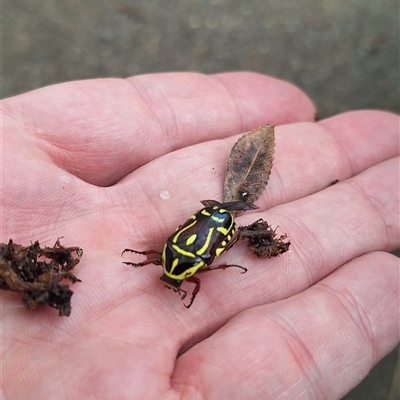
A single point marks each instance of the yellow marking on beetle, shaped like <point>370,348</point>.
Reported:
<point>206,213</point>
<point>187,273</point>
<point>206,243</point>
<point>176,237</point>
<point>219,251</point>
<point>216,219</point>
<point>224,231</point>
<point>223,244</point>
<point>195,267</point>
<point>191,239</point>
<point>163,255</point>
<point>174,263</point>
<point>183,252</point>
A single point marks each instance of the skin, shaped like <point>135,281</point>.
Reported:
<point>88,160</point>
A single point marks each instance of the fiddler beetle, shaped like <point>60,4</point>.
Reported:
<point>194,245</point>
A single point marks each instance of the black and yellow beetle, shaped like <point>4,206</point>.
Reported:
<point>195,244</point>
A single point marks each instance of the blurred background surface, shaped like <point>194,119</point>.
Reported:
<point>343,54</point>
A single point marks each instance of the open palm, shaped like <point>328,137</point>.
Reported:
<point>109,164</point>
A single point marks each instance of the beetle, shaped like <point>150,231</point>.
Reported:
<point>194,245</point>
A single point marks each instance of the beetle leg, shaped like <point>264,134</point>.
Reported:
<point>154,261</point>
<point>223,266</point>
<point>196,289</point>
<point>150,260</point>
<point>197,281</point>
<point>180,291</point>
<point>145,253</point>
<point>184,293</point>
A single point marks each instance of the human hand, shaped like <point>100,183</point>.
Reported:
<point>92,161</point>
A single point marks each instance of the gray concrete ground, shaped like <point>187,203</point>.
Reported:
<point>344,54</point>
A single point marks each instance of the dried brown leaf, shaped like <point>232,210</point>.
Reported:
<point>249,165</point>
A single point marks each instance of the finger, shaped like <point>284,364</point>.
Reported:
<point>327,230</point>
<point>100,130</point>
<point>308,157</point>
<point>318,344</point>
